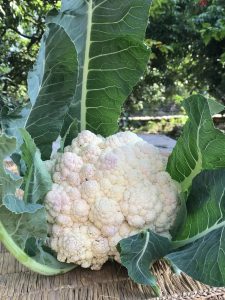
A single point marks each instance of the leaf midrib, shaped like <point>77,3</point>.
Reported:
<point>83,121</point>
<point>181,243</point>
<point>147,237</point>
<point>186,183</point>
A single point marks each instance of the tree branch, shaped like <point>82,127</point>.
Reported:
<point>21,34</point>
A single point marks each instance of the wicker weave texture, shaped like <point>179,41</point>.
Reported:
<point>111,283</point>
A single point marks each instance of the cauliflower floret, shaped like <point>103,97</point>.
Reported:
<point>100,246</point>
<point>108,161</point>
<point>77,241</point>
<point>67,168</point>
<point>71,161</point>
<point>144,213</point>
<point>106,212</point>
<point>121,138</point>
<point>87,172</point>
<point>81,210</point>
<point>90,190</point>
<point>90,153</point>
<point>107,189</point>
<point>85,138</point>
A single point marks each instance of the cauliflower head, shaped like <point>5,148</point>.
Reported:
<point>106,189</point>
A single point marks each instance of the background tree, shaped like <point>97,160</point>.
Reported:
<point>186,37</point>
<point>21,29</point>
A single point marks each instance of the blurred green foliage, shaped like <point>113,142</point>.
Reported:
<point>21,29</point>
<point>187,41</point>
<point>186,38</point>
<point>171,127</point>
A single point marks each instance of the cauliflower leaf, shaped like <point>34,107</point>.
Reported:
<point>139,252</point>
<point>23,221</point>
<point>51,86</point>
<point>111,57</point>
<point>200,146</point>
<point>37,180</point>
<point>200,243</point>
<point>15,205</point>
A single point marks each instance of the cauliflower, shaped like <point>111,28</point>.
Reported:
<point>106,189</point>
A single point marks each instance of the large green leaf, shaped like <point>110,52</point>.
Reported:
<point>51,87</point>
<point>108,36</point>
<point>205,205</point>
<point>7,146</point>
<point>37,180</point>
<point>200,244</point>
<point>215,107</point>
<point>11,121</point>
<point>204,259</point>
<point>91,56</point>
<point>21,227</point>
<point>22,222</point>
<point>201,146</point>
<point>15,205</point>
<point>139,252</point>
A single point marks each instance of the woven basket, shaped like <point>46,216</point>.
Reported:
<point>111,283</point>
